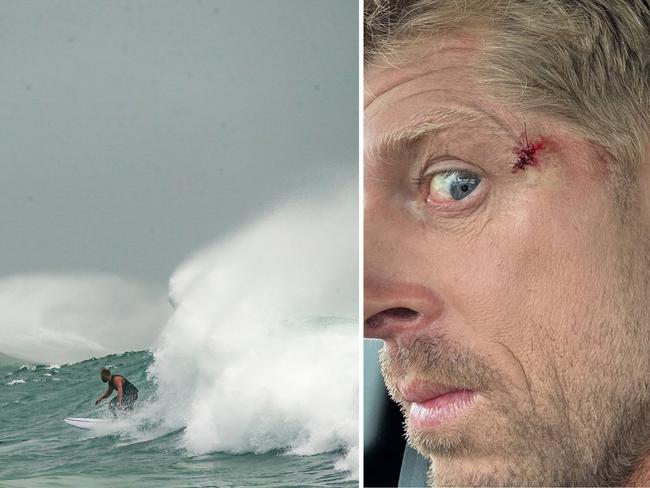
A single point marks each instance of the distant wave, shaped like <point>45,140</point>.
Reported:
<point>61,318</point>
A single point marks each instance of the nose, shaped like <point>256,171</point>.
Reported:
<point>400,264</point>
<point>397,310</point>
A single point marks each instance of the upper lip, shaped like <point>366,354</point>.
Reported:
<point>419,391</point>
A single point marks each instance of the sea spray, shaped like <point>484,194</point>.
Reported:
<point>261,351</point>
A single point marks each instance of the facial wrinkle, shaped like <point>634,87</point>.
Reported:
<point>523,371</point>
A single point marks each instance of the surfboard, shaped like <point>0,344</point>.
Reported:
<point>86,424</point>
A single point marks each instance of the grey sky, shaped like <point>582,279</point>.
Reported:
<point>134,132</point>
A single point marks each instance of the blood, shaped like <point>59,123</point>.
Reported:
<point>526,152</point>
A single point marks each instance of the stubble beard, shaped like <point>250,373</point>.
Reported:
<point>589,431</point>
<point>529,451</point>
<point>589,425</point>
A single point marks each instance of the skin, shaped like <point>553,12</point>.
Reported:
<point>119,383</point>
<point>530,291</point>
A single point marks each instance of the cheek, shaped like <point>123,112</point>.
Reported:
<point>535,274</point>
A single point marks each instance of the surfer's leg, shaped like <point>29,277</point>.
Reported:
<point>112,406</point>
<point>129,401</point>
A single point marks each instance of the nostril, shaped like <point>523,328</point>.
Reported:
<point>401,313</point>
<point>397,314</point>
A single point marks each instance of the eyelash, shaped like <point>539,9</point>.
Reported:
<point>421,180</point>
<point>426,178</point>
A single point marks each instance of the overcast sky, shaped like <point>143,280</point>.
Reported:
<point>134,132</point>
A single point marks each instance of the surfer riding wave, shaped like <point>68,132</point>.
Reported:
<point>127,393</point>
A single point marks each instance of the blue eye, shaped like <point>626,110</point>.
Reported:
<point>452,185</point>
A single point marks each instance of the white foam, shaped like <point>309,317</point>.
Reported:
<point>250,361</point>
<point>350,462</point>
<point>15,382</point>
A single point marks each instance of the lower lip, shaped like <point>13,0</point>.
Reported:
<point>441,409</point>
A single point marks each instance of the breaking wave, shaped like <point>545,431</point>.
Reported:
<point>261,351</point>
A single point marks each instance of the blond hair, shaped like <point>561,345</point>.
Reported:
<point>585,62</point>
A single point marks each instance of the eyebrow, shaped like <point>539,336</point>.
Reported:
<point>431,123</point>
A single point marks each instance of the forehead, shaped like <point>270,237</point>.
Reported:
<point>436,54</point>
<point>435,79</point>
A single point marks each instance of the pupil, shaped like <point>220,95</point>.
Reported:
<point>463,186</point>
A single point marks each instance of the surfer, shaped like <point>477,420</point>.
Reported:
<point>127,393</point>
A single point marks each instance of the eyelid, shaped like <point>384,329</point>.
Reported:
<point>452,163</point>
<point>435,166</point>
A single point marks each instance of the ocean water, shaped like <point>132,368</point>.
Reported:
<point>38,449</point>
<point>249,378</point>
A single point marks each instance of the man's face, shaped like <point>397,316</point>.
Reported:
<point>510,303</point>
<point>105,377</point>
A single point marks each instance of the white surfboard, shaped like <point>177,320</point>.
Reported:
<point>87,424</point>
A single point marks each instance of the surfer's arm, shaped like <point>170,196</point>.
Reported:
<point>106,394</point>
<point>118,384</point>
